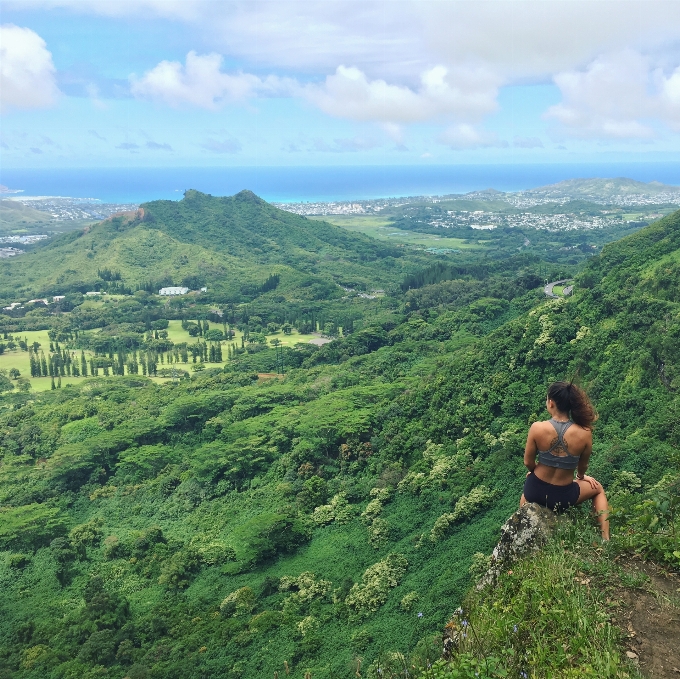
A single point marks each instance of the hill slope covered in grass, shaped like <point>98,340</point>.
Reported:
<point>603,188</point>
<point>224,525</point>
<point>232,245</point>
<point>18,218</point>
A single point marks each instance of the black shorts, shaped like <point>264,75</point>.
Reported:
<point>549,495</point>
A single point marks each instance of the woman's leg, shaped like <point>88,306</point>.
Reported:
<point>522,501</point>
<point>600,504</point>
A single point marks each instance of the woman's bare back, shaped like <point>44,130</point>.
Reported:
<point>577,440</point>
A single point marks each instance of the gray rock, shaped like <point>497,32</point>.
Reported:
<point>527,530</point>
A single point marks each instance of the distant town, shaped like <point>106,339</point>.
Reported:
<point>63,208</point>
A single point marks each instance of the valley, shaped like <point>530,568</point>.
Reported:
<point>318,500</point>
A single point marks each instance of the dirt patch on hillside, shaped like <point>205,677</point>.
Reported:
<point>649,617</point>
<point>268,376</point>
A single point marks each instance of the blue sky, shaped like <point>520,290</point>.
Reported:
<point>111,83</point>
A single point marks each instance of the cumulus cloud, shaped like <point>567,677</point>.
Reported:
<point>461,93</point>
<point>465,136</point>
<point>410,61</point>
<point>27,74</point>
<point>607,98</point>
<point>201,82</point>
<point>225,146</point>
<point>622,95</point>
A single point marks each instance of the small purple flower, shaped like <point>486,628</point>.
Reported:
<point>420,615</point>
<point>464,635</point>
<point>524,675</point>
<point>514,629</point>
<point>465,623</point>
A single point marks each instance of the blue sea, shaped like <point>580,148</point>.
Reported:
<point>299,184</point>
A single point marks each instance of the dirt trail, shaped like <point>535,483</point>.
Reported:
<point>650,618</point>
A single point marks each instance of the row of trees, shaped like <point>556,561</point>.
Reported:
<point>65,363</point>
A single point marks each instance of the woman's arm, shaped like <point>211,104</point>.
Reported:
<point>584,460</point>
<point>530,449</point>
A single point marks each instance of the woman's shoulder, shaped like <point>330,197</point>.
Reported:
<point>540,426</point>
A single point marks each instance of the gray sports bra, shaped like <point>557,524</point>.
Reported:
<point>565,460</point>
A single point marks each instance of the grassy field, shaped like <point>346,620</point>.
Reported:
<point>19,359</point>
<point>381,229</point>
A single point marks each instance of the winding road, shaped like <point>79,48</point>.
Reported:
<point>568,289</point>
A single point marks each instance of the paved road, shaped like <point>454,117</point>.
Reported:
<point>568,289</point>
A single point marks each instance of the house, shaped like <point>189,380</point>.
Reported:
<point>173,291</point>
<point>92,293</point>
<point>58,298</point>
<point>38,301</point>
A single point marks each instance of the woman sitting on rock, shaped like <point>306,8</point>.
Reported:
<point>564,443</point>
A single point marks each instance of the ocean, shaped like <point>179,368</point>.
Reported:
<point>311,184</point>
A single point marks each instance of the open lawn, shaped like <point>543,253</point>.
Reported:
<point>382,229</point>
<point>18,359</point>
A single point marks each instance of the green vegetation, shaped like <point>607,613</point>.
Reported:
<point>231,245</point>
<point>219,524</point>
<point>384,229</point>
<point>553,614</point>
<point>16,218</point>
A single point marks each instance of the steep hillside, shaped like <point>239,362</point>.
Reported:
<point>17,218</point>
<point>224,525</point>
<point>224,243</point>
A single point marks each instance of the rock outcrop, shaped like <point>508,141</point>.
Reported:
<point>527,530</point>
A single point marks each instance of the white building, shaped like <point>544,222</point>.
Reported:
<point>58,298</point>
<point>173,291</point>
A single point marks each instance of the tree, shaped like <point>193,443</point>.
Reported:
<point>14,374</point>
<point>35,369</point>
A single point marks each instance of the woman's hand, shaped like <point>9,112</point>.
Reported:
<point>593,483</point>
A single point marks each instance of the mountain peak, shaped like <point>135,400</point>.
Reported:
<point>247,196</point>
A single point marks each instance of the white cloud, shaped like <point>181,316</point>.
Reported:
<point>201,82</point>
<point>619,96</point>
<point>465,136</point>
<point>26,70</point>
<point>421,60</point>
<point>461,94</point>
<point>607,98</point>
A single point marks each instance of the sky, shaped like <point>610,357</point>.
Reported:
<point>118,83</point>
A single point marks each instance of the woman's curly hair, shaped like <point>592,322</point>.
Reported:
<point>573,400</point>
